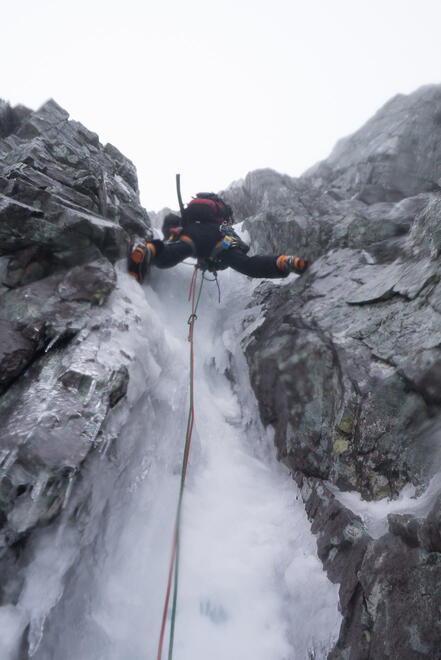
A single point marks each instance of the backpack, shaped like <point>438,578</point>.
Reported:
<point>207,207</point>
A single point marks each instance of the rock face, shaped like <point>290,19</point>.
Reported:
<point>395,155</point>
<point>346,362</point>
<point>69,208</point>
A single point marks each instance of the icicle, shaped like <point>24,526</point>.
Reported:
<point>53,341</point>
<point>4,453</point>
<point>8,461</point>
<point>39,485</point>
<point>69,487</point>
<point>90,393</point>
<point>35,634</point>
<point>59,539</point>
<point>104,446</point>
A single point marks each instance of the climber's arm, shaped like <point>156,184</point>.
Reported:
<point>162,255</point>
<point>173,252</point>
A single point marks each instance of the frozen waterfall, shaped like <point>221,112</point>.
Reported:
<point>251,585</point>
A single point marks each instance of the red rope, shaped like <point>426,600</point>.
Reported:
<point>172,567</point>
<point>192,292</point>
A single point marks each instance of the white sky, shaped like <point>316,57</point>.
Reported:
<point>216,89</point>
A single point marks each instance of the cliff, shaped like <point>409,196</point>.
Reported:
<point>346,364</point>
<point>69,208</point>
<point>344,361</point>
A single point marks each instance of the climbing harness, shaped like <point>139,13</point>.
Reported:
<point>174,562</point>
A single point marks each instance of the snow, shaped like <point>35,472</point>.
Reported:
<point>374,514</point>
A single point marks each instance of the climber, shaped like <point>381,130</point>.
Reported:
<point>205,231</point>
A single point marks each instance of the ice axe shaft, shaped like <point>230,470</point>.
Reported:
<point>178,190</point>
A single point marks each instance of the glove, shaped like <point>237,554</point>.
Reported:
<point>139,259</point>
<point>289,264</point>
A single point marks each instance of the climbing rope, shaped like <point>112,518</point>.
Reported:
<point>213,279</point>
<point>174,562</point>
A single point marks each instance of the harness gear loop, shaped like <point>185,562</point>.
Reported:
<point>214,279</point>
<point>174,561</point>
<point>218,286</point>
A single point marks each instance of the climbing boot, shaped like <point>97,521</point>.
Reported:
<point>289,264</point>
<point>140,258</point>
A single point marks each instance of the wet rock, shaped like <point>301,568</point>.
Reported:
<point>395,615</point>
<point>390,587</point>
<point>52,417</point>
<point>69,208</point>
<point>118,385</point>
<point>342,542</point>
<point>39,311</point>
<point>58,162</point>
<point>299,216</point>
<point>425,235</point>
<point>125,168</point>
<point>345,363</point>
<point>10,118</point>
<point>16,352</point>
<point>394,155</point>
<point>341,536</point>
<point>37,316</point>
<point>22,225</point>
<point>89,283</point>
<point>422,533</point>
<point>27,265</point>
<point>405,279</point>
<point>402,597</point>
<point>330,380</point>
<point>298,387</point>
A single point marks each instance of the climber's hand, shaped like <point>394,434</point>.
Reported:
<point>140,257</point>
<point>289,264</point>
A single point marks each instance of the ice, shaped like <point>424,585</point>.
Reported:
<point>53,341</point>
<point>90,392</point>
<point>39,485</point>
<point>70,482</point>
<point>44,583</point>
<point>12,624</point>
<point>374,514</point>
<point>9,456</point>
<point>246,542</point>
<point>251,585</point>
